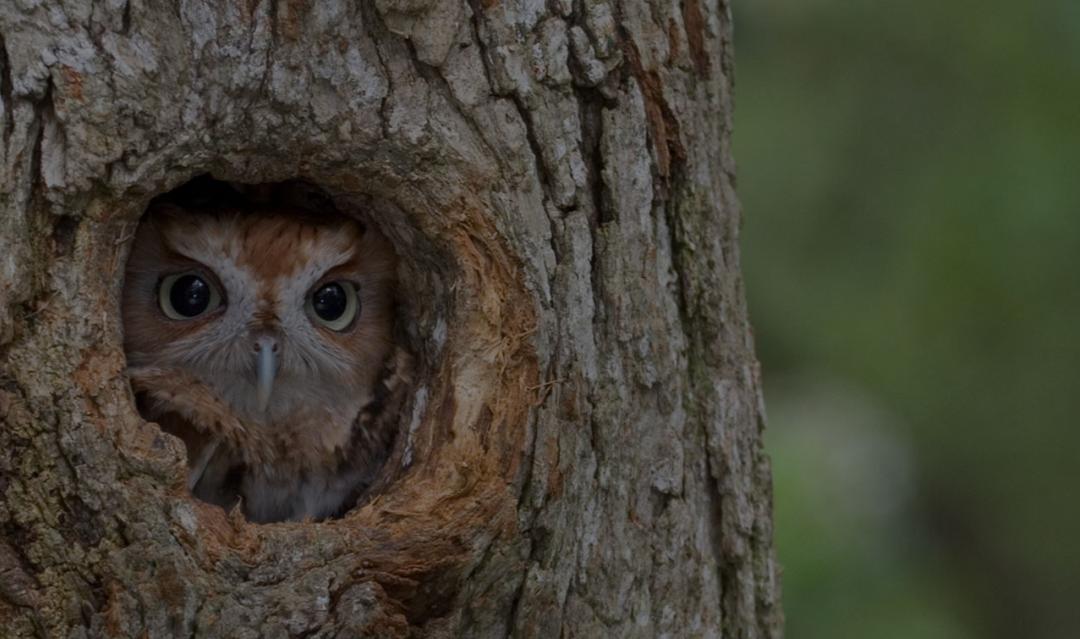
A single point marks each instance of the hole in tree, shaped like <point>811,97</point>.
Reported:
<point>261,328</point>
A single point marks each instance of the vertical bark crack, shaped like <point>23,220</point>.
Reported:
<point>7,103</point>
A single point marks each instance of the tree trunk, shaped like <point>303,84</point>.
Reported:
<point>581,453</point>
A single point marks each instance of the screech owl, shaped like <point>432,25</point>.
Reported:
<point>264,341</point>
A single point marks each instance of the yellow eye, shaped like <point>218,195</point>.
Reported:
<point>184,296</point>
<point>334,304</point>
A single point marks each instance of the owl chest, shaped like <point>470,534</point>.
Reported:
<point>269,495</point>
<point>283,490</point>
<point>303,469</point>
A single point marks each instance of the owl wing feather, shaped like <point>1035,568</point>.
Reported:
<point>376,426</point>
<point>169,391</point>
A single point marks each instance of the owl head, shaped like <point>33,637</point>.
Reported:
<point>277,312</point>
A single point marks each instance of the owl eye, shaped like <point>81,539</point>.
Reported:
<point>187,296</point>
<point>334,304</point>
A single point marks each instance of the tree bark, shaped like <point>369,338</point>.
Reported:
<point>581,453</point>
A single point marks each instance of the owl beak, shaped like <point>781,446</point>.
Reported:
<point>265,369</point>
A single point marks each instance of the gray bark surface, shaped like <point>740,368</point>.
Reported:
<point>581,455</point>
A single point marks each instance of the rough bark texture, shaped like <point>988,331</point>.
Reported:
<point>581,455</point>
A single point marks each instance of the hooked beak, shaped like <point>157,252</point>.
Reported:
<point>265,369</point>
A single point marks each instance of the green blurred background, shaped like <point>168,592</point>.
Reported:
<point>911,246</point>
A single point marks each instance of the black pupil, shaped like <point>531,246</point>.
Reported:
<point>190,295</point>
<point>330,301</point>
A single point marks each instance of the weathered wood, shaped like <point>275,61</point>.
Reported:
<point>581,454</point>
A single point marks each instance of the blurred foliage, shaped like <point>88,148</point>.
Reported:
<point>911,241</point>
